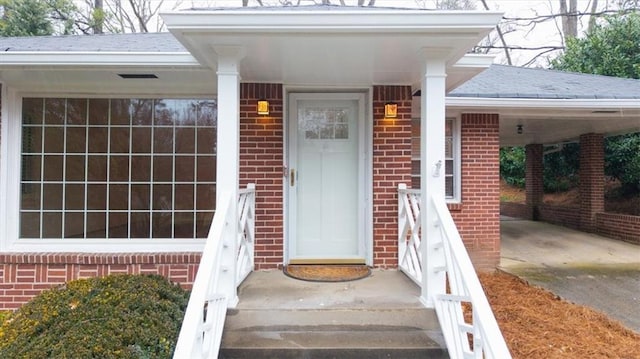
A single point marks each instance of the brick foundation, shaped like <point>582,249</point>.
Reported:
<point>478,216</point>
<point>23,276</point>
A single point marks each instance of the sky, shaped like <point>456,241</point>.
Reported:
<point>545,34</point>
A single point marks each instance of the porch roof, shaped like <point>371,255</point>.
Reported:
<point>333,46</point>
<point>321,46</point>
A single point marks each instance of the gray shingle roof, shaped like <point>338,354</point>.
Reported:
<point>139,42</point>
<point>501,81</point>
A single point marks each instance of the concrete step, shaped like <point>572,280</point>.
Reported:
<point>332,333</point>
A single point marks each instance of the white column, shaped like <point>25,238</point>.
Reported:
<point>432,162</point>
<point>228,160</point>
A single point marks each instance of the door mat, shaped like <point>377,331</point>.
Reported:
<point>327,272</point>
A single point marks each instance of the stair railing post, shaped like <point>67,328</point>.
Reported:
<point>432,170</point>
<point>228,161</point>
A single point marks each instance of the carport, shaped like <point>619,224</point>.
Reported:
<point>543,110</point>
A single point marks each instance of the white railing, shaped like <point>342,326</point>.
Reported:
<point>246,232</point>
<point>201,331</point>
<point>481,338</point>
<point>409,244</point>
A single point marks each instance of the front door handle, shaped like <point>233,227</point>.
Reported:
<point>292,177</point>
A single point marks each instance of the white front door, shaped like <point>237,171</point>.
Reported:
<point>325,176</point>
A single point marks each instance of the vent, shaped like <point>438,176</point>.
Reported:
<point>138,76</point>
<point>605,111</point>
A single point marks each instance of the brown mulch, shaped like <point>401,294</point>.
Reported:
<point>538,324</point>
<point>327,273</point>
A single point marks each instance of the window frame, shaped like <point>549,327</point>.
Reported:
<point>10,167</point>
<point>456,134</point>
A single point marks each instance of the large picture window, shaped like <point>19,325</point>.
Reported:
<point>452,157</point>
<point>117,168</point>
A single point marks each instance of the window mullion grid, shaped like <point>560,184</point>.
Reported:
<point>173,179</point>
<point>86,171</point>
<point>129,186</point>
<point>151,174</point>
<point>195,172</point>
<point>42,135</point>
<point>64,168</point>
<point>108,179</point>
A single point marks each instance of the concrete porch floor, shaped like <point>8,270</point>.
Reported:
<point>389,289</point>
<point>376,317</point>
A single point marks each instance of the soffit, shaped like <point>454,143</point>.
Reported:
<point>553,121</point>
<point>333,48</point>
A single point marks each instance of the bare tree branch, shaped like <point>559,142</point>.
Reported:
<point>501,36</point>
<point>537,56</point>
<point>543,18</point>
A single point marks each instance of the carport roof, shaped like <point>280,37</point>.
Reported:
<point>550,106</point>
<point>501,81</point>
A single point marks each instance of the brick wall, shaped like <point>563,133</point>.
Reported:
<point>261,162</point>
<point>534,180</point>
<point>23,276</point>
<point>620,226</point>
<point>516,210</point>
<point>591,179</point>
<point>561,215</point>
<point>478,216</point>
<point>391,166</point>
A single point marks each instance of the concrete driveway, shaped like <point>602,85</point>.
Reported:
<point>583,268</point>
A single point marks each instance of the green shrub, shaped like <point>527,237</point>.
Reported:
<point>622,161</point>
<point>119,316</point>
<point>561,169</point>
<point>512,165</point>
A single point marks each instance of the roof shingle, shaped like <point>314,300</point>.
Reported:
<point>136,42</point>
<point>500,81</point>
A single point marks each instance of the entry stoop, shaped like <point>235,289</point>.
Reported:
<point>376,317</point>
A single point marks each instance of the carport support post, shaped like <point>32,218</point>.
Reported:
<point>591,179</point>
<point>533,181</point>
<point>432,163</point>
<point>228,160</point>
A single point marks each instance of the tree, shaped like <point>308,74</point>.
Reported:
<point>569,18</point>
<point>611,48</point>
<point>25,18</point>
<point>565,15</point>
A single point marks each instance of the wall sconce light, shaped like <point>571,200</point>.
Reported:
<point>390,110</point>
<point>263,107</point>
<point>519,129</point>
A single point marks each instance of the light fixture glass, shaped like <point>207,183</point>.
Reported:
<point>263,107</point>
<point>519,129</point>
<point>390,110</point>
